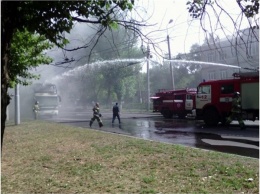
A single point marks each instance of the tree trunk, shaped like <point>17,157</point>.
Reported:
<point>8,26</point>
<point>5,98</point>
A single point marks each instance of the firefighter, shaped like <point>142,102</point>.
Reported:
<point>236,111</point>
<point>96,115</point>
<point>116,113</point>
<point>36,109</point>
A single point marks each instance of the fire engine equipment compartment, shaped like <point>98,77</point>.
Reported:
<point>250,95</point>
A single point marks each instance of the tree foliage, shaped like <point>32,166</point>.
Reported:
<point>116,78</point>
<point>197,8</point>
<point>52,18</point>
<point>27,53</point>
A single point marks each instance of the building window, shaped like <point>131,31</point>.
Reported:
<point>222,55</point>
<point>211,75</point>
<point>235,71</point>
<point>234,51</point>
<point>211,56</point>
<point>253,49</point>
<point>223,74</point>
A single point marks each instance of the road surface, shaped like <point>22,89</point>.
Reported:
<point>188,132</point>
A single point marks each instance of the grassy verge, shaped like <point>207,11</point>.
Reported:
<point>46,157</point>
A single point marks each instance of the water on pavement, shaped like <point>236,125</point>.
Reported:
<point>186,132</point>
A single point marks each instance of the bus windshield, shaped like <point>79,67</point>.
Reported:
<point>47,100</point>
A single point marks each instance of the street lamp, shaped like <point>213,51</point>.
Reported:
<point>147,52</point>
<point>169,50</point>
<point>148,79</point>
<point>17,105</point>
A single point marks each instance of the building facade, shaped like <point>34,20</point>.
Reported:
<point>241,50</point>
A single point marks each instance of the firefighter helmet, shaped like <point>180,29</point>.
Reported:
<point>236,94</point>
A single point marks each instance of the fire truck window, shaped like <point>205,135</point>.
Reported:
<point>227,89</point>
<point>177,97</point>
<point>204,90</point>
<point>189,97</point>
<point>199,90</point>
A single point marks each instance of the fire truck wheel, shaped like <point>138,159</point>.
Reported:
<point>167,114</point>
<point>182,115</point>
<point>211,117</point>
<point>223,121</point>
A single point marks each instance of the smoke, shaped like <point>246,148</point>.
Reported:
<point>79,36</point>
<point>70,91</point>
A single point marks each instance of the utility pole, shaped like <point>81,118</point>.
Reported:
<point>17,105</point>
<point>148,79</point>
<point>171,69</point>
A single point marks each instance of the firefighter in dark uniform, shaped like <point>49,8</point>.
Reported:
<point>36,109</point>
<point>96,115</point>
<point>116,113</point>
<point>236,111</point>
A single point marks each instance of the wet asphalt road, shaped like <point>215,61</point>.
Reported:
<point>188,132</point>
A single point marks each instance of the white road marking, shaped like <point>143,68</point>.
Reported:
<point>229,143</point>
<point>239,137</point>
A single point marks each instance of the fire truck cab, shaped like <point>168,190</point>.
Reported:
<point>174,102</point>
<point>214,98</point>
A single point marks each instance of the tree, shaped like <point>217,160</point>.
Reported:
<point>194,55</point>
<point>115,77</point>
<point>50,19</point>
<point>26,53</point>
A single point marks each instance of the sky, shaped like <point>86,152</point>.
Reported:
<point>183,30</point>
<point>162,12</point>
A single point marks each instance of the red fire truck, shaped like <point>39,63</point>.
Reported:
<point>214,98</point>
<point>174,102</point>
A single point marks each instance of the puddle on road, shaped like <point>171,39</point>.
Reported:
<point>187,133</point>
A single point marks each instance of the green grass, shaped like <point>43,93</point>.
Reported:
<point>47,157</point>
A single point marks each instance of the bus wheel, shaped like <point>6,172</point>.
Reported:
<point>211,117</point>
